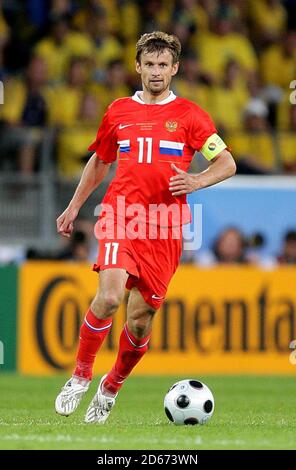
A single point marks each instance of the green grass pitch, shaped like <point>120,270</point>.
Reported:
<point>251,413</point>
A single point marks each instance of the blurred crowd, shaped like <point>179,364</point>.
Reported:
<point>63,61</point>
<point>231,248</point>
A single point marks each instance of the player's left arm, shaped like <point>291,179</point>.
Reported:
<point>221,167</point>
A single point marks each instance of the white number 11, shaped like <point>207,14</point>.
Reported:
<point>114,247</point>
<point>148,141</point>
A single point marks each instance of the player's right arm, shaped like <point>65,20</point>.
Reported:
<point>105,152</point>
<point>93,174</point>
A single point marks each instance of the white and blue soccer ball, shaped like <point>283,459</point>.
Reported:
<point>189,402</point>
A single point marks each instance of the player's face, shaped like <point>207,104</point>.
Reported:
<point>156,71</point>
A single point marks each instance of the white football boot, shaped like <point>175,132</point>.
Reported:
<point>70,396</point>
<point>100,406</point>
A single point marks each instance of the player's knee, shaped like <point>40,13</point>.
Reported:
<point>141,325</point>
<point>105,304</point>
<point>111,301</point>
<point>139,329</point>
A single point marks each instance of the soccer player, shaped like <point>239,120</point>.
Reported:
<point>155,135</point>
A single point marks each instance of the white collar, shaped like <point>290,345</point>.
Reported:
<point>171,97</point>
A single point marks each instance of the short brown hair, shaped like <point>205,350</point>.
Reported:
<point>158,42</point>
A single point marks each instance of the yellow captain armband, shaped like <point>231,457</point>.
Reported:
<point>212,147</point>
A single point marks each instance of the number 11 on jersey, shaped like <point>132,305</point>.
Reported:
<point>111,249</point>
<point>145,149</point>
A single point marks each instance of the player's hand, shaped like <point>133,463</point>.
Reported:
<point>65,222</point>
<point>182,182</point>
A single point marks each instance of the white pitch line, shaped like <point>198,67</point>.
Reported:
<point>109,440</point>
<point>58,438</point>
<point>43,423</point>
<point>227,442</point>
<point>101,439</point>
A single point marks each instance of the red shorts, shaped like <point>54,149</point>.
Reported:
<point>150,263</point>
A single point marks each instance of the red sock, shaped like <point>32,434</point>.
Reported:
<point>131,350</point>
<point>92,334</point>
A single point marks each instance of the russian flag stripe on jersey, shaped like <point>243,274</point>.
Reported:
<point>167,147</point>
<point>124,145</point>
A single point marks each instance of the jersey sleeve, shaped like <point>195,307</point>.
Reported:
<point>203,135</point>
<point>105,144</point>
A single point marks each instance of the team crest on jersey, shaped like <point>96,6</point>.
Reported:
<point>171,126</point>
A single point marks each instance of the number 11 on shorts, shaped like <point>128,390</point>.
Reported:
<point>111,250</point>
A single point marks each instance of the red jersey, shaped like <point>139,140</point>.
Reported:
<point>147,138</point>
